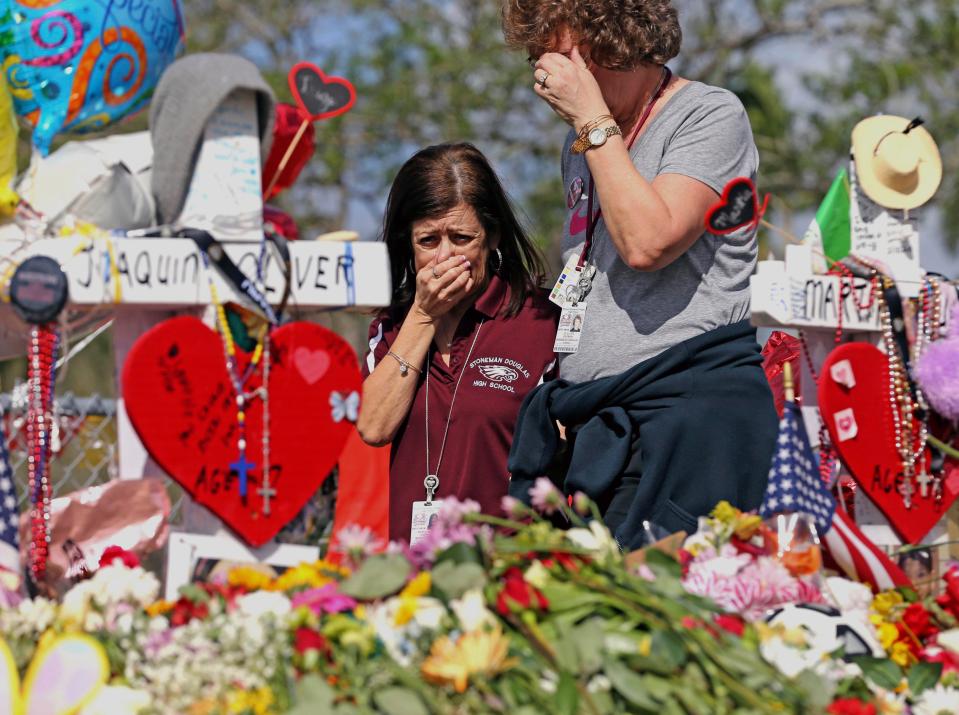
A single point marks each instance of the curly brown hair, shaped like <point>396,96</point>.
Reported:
<point>621,34</point>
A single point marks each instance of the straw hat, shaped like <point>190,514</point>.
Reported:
<point>897,162</point>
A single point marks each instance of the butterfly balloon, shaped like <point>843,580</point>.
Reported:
<point>77,66</point>
<point>345,407</point>
<point>65,675</point>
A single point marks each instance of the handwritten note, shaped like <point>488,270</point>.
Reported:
<point>224,196</point>
<point>887,236</point>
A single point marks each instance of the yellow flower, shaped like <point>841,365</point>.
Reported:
<point>886,602</point>
<point>746,525</point>
<point>405,610</point>
<point>249,577</point>
<point>725,512</point>
<point>259,702</point>
<point>888,635</point>
<point>314,575</point>
<point>900,654</point>
<point>159,608</point>
<point>419,586</point>
<point>475,653</point>
<point>645,646</point>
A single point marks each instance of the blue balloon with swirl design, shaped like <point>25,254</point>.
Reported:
<point>78,65</point>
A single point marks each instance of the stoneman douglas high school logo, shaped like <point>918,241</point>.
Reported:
<point>499,373</point>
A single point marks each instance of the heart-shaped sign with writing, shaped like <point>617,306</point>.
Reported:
<point>320,96</point>
<point>183,406</point>
<point>854,403</point>
<point>738,208</point>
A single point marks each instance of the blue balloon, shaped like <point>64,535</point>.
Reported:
<point>79,65</point>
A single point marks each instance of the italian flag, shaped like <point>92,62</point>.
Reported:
<point>829,232</point>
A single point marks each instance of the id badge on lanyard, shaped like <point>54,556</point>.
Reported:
<point>572,287</point>
<point>575,282</point>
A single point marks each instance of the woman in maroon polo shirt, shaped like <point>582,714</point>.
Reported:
<point>467,335</point>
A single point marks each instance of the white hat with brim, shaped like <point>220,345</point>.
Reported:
<point>897,162</point>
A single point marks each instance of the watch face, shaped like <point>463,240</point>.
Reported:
<point>597,136</point>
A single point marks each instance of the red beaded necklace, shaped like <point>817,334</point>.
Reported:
<point>41,376</point>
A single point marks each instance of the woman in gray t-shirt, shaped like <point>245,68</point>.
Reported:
<point>647,155</point>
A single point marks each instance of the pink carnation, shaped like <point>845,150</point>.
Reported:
<point>326,599</point>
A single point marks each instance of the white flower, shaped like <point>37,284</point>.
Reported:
<point>850,597</point>
<point>537,575</point>
<point>949,639</point>
<point>470,609</point>
<point>429,613</point>
<point>599,684</point>
<point>117,700</point>
<point>597,538</point>
<point>261,603</point>
<point>939,700</point>
<point>888,703</point>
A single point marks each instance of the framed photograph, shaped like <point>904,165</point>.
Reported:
<point>197,556</point>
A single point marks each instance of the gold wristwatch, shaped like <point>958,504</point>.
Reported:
<point>594,137</point>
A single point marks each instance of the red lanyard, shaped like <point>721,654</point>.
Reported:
<point>594,220</point>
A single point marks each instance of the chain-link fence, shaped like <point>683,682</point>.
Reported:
<point>83,441</point>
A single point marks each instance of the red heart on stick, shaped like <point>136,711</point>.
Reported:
<point>183,406</point>
<point>854,403</point>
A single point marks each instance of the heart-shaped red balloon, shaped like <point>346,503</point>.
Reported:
<point>854,403</point>
<point>183,406</point>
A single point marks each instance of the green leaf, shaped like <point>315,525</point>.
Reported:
<point>567,696</point>
<point>662,564</point>
<point>668,647</point>
<point>460,553</point>
<point>379,576</point>
<point>923,676</point>
<point>399,701</point>
<point>589,639</point>
<point>453,579</point>
<point>629,684</point>
<point>881,671</point>
<point>312,695</point>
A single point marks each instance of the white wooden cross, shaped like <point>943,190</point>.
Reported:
<point>146,280</point>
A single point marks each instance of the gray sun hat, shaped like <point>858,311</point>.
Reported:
<point>188,93</point>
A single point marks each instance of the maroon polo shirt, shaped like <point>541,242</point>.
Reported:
<point>510,358</point>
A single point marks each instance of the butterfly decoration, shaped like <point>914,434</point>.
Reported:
<point>65,675</point>
<point>738,208</point>
<point>345,407</point>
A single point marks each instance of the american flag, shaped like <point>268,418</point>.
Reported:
<point>796,486</point>
<point>9,515</point>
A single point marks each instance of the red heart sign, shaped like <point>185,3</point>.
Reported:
<point>183,406</point>
<point>320,96</point>
<point>854,403</point>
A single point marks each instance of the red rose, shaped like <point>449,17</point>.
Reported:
<point>518,593</point>
<point>916,618</point>
<point>851,706</point>
<point>936,654</point>
<point>114,553</point>
<point>308,639</point>
<point>731,624</point>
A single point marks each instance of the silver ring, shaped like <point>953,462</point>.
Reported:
<point>542,80</point>
<point>435,274</point>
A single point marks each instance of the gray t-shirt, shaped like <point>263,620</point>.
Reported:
<point>702,132</point>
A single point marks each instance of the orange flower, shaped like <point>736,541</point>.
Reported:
<point>475,653</point>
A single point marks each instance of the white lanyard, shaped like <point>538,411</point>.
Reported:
<point>432,481</point>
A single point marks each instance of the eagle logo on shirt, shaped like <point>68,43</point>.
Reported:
<point>499,373</point>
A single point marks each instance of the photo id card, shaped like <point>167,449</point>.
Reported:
<point>567,281</point>
<point>570,328</point>
<point>424,513</point>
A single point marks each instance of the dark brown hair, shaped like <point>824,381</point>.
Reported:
<point>621,34</point>
<point>431,183</point>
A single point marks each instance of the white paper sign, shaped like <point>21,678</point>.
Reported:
<point>888,236</point>
<point>225,196</point>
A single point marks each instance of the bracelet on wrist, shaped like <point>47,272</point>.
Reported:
<point>405,365</point>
